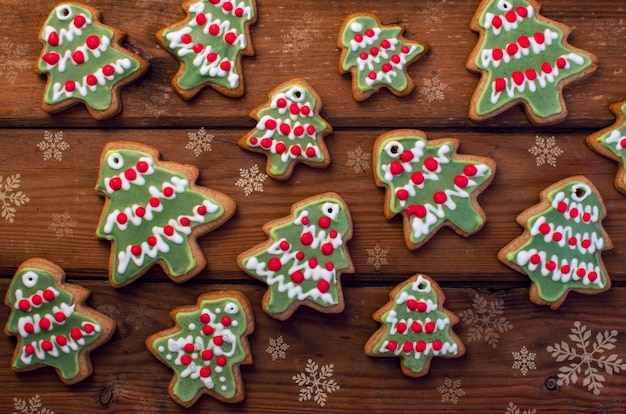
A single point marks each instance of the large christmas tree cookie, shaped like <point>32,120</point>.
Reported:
<point>52,324</point>
<point>611,142</point>
<point>84,62</point>
<point>154,212</point>
<point>415,327</point>
<point>376,55</point>
<point>304,258</point>
<point>209,43</point>
<point>560,249</point>
<point>430,184</point>
<point>525,58</point>
<point>289,130</point>
<point>206,347</point>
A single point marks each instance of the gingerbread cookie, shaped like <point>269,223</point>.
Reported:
<point>209,43</point>
<point>525,58</point>
<point>415,327</point>
<point>304,258</point>
<point>85,62</point>
<point>430,184</point>
<point>52,324</point>
<point>611,142</point>
<point>206,347</point>
<point>154,212</point>
<point>376,55</point>
<point>560,249</point>
<point>289,130</point>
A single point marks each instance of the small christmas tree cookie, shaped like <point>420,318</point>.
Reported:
<point>154,212</point>
<point>415,327</point>
<point>611,142</point>
<point>430,184</point>
<point>304,257</point>
<point>53,325</point>
<point>209,43</point>
<point>206,347</point>
<point>84,62</point>
<point>376,55</point>
<point>289,130</point>
<point>525,58</point>
<point>560,249</point>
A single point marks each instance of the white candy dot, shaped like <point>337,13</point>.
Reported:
<point>356,27</point>
<point>192,326</point>
<point>168,357</point>
<point>161,348</point>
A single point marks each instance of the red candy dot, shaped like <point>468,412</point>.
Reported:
<point>46,345</point>
<point>300,255</point>
<point>581,272</point>
<point>420,346</point>
<point>586,243</point>
<point>557,236</point>
<point>142,166</point>
<point>218,340</point>
<point>24,305</point>
<point>329,266</point>
<point>573,213</point>
<point>76,334</point>
<point>53,39</point>
<point>385,44</point>
<point>512,49</point>
<point>207,330</point>
<point>510,17</point>
<point>395,59</point>
<point>186,38</point>
<point>221,360</point>
<point>130,174</point>
<point>572,241</point>
<point>281,102</point>
<point>422,307</point>
<point>431,164</point>
<point>201,210</point>
<point>285,129</point>
<point>440,197</point>
<point>225,66</point>
<point>372,75</point>
<point>562,207</point>
<point>401,327</point>
<point>470,170</point>
<point>154,202</point>
<point>358,37</point>
<point>205,318</point>
<point>200,19</point>
<point>214,29</point>
<point>592,276</point>
<point>189,348</point>
<point>312,263</point>
<point>230,38</point>
<point>417,210</point>
<point>226,321</point>
<point>561,63</point>
<point>78,57</point>
<point>496,22</point>
<point>270,124</point>
<point>565,269</point>
<point>152,241</point>
<point>496,54</point>
<point>386,67</point>
<point>305,110</point>
<point>416,327</point>
<point>135,250</point>
<point>29,327</point>
<point>374,51</point>
<point>207,354</point>
<point>402,194</point>
<point>92,80</point>
<point>430,327</point>
<point>310,152</point>
<point>391,345</point>
<point>306,239</point>
<point>29,349</point>
<point>294,109</point>
<point>79,21</point>
<point>539,38</point>
<point>518,78</point>
<point>327,249</point>
<point>297,276</point>
<point>323,286</point>
<point>546,67</point>
<point>274,264</point>
<point>522,11</point>
<point>93,42</point>
<point>417,178</point>
<point>535,259</point>
<point>185,221</point>
<point>531,74</point>
<point>122,218</point>
<point>168,191</point>
<point>185,360</point>
<point>140,212</point>
<point>407,347</point>
<point>239,12</point>
<point>370,33</point>
<point>36,299</point>
<point>70,85</point>
<point>396,168</point>
<point>461,181</point>
<point>48,295</point>
<point>500,84</point>
<point>61,340</point>
<point>310,130</point>
<point>59,317</point>
<point>168,230</point>
<point>298,131</point>
<point>108,70</point>
<point>51,58</point>
<point>523,42</point>
<point>551,265</point>
<point>198,48</point>
<point>411,304</point>
<point>324,222</point>
<point>437,345</point>
<point>544,228</point>
<point>205,372</point>
<point>405,49</point>
<point>333,234</point>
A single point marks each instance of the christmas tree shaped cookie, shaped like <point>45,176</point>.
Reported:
<point>376,55</point>
<point>53,325</point>
<point>209,43</point>
<point>206,347</point>
<point>560,249</point>
<point>525,58</point>
<point>84,62</point>
<point>611,142</point>
<point>415,327</point>
<point>430,184</point>
<point>289,130</point>
<point>154,213</point>
<point>304,258</point>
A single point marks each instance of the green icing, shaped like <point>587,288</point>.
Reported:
<point>430,184</point>
<point>73,40</point>
<point>544,255</point>
<point>194,370</point>
<point>29,283</point>
<point>386,61</point>
<point>173,249</point>
<point>541,94</point>
<point>613,140</point>
<point>209,42</point>
<point>296,269</point>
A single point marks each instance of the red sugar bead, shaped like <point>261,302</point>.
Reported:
<point>200,19</point>
<point>207,354</point>
<point>402,194</point>
<point>214,29</point>
<point>225,66</point>
<point>401,327</point>
<point>185,221</point>
<point>500,84</point>
<point>324,222</point>
<point>89,328</point>
<point>327,249</point>
<point>205,372</point>
<point>407,347</point>
<point>544,228</point>
<point>313,263</point>
<point>431,164</point>
<point>46,345</point>
<point>198,47</point>
<point>135,250</point>
<point>207,329</point>
<point>91,80</point>
<point>430,327</point>
<point>130,174</point>
<point>24,305</point>
<point>411,304</point>
<point>306,239</point>
<point>230,38</point>
<point>36,299</point>
<point>185,360</point>
<point>440,197</point>
<point>221,360</point>
<point>108,70</point>
<point>29,327</point>
<point>274,264</point>
<point>76,334</point>
<point>140,211</point>
<point>270,124</point>
<point>61,340</point>
<point>189,348</point>
<point>168,191</point>
<point>416,327</point>
<point>420,346</point>
<point>417,178</point>
<point>29,349</point>
<point>323,286</point>
<point>122,218</point>
<point>154,202</point>
<point>392,345</point>
<point>437,345</point>
<point>310,152</point>
<point>142,166</point>
<point>396,168</point>
<point>496,54</point>
<point>152,241</point>
<point>59,317</point>
<point>218,340</point>
<point>297,276</point>
<point>417,210</point>
<point>168,230</point>
<point>461,181</point>
<point>78,57</point>
<point>496,22</point>
<point>205,318</point>
<point>226,321</point>
<point>48,295</point>
<point>79,21</point>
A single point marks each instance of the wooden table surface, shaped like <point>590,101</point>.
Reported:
<point>51,162</point>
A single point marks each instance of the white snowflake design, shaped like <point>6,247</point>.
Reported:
<point>486,319</point>
<point>524,360</point>
<point>301,34</point>
<point>10,198</point>
<point>53,145</point>
<point>316,382</point>
<point>546,151</point>
<point>358,159</point>
<point>587,358</point>
<point>32,406</point>
<point>251,179</point>
<point>62,225</point>
<point>433,88</point>
<point>12,59</point>
<point>277,348</point>
<point>512,409</point>
<point>451,390</point>
<point>377,257</point>
<point>199,141</point>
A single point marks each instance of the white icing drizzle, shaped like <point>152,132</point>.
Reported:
<point>66,309</point>
<point>523,258</point>
<point>126,183</point>
<point>72,345</point>
<point>67,56</point>
<point>19,296</point>
<point>506,25</point>
<point>387,76</point>
<point>66,34</point>
<point>487,59</point>
<point>83,88</point>
<point>615,137</point>
<point>367,40</point>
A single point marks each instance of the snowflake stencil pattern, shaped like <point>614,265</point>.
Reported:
<point>199,141</point>
<point>358,159</point>
<point>377,257</point>
<point>588,358</point>
<point>451,390</point>
<point>433,88</point>
<point>316,383</point>
<point>62,225</point>
<point>546,151</point>
<point>251,179</point>
<point>32,406</point>
<point>512,409</point>
<point>524,360</point>
<point>10,198</point>
<point>53,145</point>
<point>486,320</point>
<point>301,35</point>
<point>12,59</point>
<point>277,348</point>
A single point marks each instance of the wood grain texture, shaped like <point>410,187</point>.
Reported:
<point>59,220</point>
